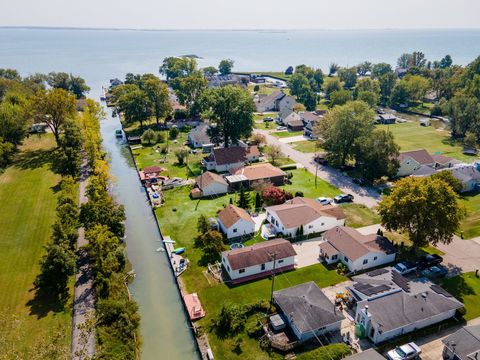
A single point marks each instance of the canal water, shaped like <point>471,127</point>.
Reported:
<point>164,325</point>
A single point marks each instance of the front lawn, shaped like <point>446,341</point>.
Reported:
<point>470,226</point>
<point>306,146</point>
<point>286,134</point>
<point>466,288</point>
<point>412,136</point>
<point>304,181</point>
<point>359,215</point>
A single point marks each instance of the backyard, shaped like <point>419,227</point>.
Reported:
<point>466,288</point>
<point>29,326</point>
<point>470,226</point>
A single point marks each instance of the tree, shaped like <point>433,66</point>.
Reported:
<point>74,84</point>
<point>177,67</point>
<point>427,209</point>
<point>10,74</point>
<point>213,245</point>
<point>225,67</point>
<point>418,59</point>
<point>273,152</point>
<point>7,150</point>
<point>202,224</point>
<point>70,146</point>
<point>231,109</point>
<point>273,195</point>
<point>258,139</point>
<point>135,105</point>
<point>173,133</point>
<point>297,83</point>
<point>14,117</point>
<point>348,76</point>
<point>157,93</point>
<point>399,94</point>
<point>333,68</point>
<point>387,83</point>
<point>364,68</point>
<point>209,70</point>
<point>181,155</point>
<point>78,86</point>
<point>54,107</point>
<point>377,155</point>
<point>464,113</point>
<point>149,136</point>
<point>381,69</point>
<point>231,320</point>
<point>243,199</point>
<point>340,97</point>
<point>451,180</point>
<point>189,91</point>
<point>342,129</point>
<point>446,62</point>
<point>370,97</point>
<point>470,140</point>
<point>332,85</point>
<point>258,201</point>
<point>417,87</point>
<point>404,61</point>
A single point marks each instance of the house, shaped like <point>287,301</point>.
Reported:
<point>291,120</point>
<point>467,174</point>
<point>295,125</point>
<point>224,80</point>
<point>259,260</point>
<point>151,174</point>
<point>464,344</point>
<point>410,161</point>
<point>355,250</point>
<point>211,184</point>
<point>198,137</point>
<point>224,159</point>
<point>442,161</point>
<point>370,354</point>
<point>235,222</point>
<point>385,119</point>
<point>309,119</point>
<point>390,305</point>
<point>275,101</point>
<point>250,175</point>
<point>304,213</point>
<point>308,311</point>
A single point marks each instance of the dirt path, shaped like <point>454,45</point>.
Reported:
<point>83,330</point>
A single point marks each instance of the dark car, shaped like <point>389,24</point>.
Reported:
<point>429,260</point>
<point>268,119</point>
<point>343,198</point>
<point>435,272</point>
<point>360,181</point>
<point>321,159</point>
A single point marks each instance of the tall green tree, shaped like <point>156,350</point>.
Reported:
<point>464,114</point>
<point>135,105</point>
<point>348,76</point>
<point>225,67</point>
<point>381,69</point>
<point>157,93</point>
<point>189,91</point>
<point>14,117</point>
<point>387,83</point>
<point>427,209</point>
<point>70,146</point>
<point>243,199</point>
<point>177,67</point>
<point>231,109</point>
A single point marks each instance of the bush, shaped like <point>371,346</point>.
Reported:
<point>231,320</point>
<point>173,133</point>
<point>288,167</point>
<point>181,155</point>
<point>329,352</point>
<point>256,88</point>
<point>273,195</point>
<point>298,193</point>
<point>180,114</point>
<point>185,129</point>
<point>160,137</point>
<point>254,327</point>
<point>436,110</point>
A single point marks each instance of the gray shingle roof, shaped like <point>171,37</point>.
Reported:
<point>465,341</point>
<point>369,354</point>
<point>307,307</point>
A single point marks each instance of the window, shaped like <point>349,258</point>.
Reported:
<point>228,268</point>
<point>345,258</point>
<point>223,259</point>
<point>334,257</point>
<point>241,271</point>
<point>262,266</point>
<point>375,258</point>
<point>365,261</point>
<point>280,261</point>
<point>311,226</point>
<point>234,230</point>
<point>323,224</point>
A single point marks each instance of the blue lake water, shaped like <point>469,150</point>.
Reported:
<point>99,55</point>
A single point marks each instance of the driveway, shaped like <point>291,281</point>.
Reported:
<point>307,252</point>
<point>292,139</point>
<point>461,255</point>
<point>366,196</point>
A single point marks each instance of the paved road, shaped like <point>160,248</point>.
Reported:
<point>83,338</point>
<point>368,197</point>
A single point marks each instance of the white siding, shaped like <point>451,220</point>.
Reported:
<point>256,269</point>
<point>407,167</point>
<point>240,228</point>
<point>215,189</point>
<point>227,167</point>
<point>359,264</point>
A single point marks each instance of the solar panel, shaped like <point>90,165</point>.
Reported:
<point>440,290</point>
<point>376,289</point>
<point>377,272</point>
<point>401,281</point>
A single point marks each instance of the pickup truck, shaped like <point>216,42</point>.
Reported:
<point>405,267</point>
<point>405,352</point>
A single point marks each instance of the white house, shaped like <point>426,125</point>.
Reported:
<point>308,311</point>
<point>410,161</point>
<point>390,305</point>
<point>235,222</point>
<point>307,213</point>
<point>259,260</point>
<point>211,184</point>
<point>225,159</point>
<point>198,136</point>
<point>467,174</point>
<point>355,250</point>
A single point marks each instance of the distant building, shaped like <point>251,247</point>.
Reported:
<point>257,261</point>
<point>224,159</point>
<point>275,101</point>
<point>310,120</point>
<point>467,174</point>
<point>464,344</point>
<point>235,222</point>
<point>224,80</point>
<point>370,354</point>
<point>307,311</point>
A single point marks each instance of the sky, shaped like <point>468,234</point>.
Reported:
<point>242,14</point>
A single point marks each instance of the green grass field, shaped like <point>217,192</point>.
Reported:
<point>412,136</point>
<point>466,288</point>
<point>285,134</point>
<point>471,224</point>
<point>306,146</point>
<point>28,326</point>
<point>359,215</point>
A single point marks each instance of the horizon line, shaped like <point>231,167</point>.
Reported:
<point>35,27</point>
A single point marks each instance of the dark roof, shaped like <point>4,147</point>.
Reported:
<point>259,253</point>
<point>152,169</point>
<point>369,354</point>
<point>199,134</point>
<point>424,170</point>
<point>272,97</point>
<point>421,156</point>
<point>307,307</point>
<point>466,342</point>
<point>233,154</point>
<point>398,309</point>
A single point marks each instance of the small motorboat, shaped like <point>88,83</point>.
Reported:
<point>179,251</point>
<point>160,249</point>
<point>119,133</point>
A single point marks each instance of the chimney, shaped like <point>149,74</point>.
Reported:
<point>366,309</point>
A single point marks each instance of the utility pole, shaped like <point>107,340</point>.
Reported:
<point>274,255</point>
<point>316,172</point>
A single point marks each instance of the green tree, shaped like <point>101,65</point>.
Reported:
<point>348,76</point>
<point>54,107</point>
<point>213,245</point>
<point>225,67</point>
<point>177,67</point>
<point>446,62</point>
<point>231,320</point>
<point>14,117</point>
<point>332,69</point>
<point>331,85</point>
<point>399,94</point>
<point>173,133</point>
<point>470,140</point>
<point>209,70</point>
<point>149,136</point>
<point>273,152</point>
<point>404,61</point>
<point>417,87</point>
<point>370,97</point>
<point>157,93</point>
<point>340,97</point>
<point>381,69</point>
<point>231,109</point>
<point>387,83</point>
<point>70,146</point>
<point>427,209</point>
<point>297,83</point>
<point>342,129</point>
<point>181,155</point>
<point>10,74</point>
<point>135,105</point>
<point>258,201</point>
<point>367,84</point>
<point>364,68</point>
<point>7,150</point>
<point>464,113</point>
<point>451,180</point>
<point>243,199</point>
<point>189,91</point>
<point>202,224</point>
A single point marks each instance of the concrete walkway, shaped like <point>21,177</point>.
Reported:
<point>83,326</point>
<point>292,139</point>
<point>362,195</point>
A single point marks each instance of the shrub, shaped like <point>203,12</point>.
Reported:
<point>329,352</point>
<point>256,88</point>
<point>173,133</point>
<point>181,155</point>
<point>160,137</point>
<point>289,167</point>
<point>273,195</point>
<point>180,114</point>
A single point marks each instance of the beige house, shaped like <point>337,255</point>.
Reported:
<point>410,161</point>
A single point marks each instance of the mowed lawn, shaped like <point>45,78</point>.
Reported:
<point>466,288</point>
<point>471,224</point>
<point>27,212</point>
<point>412,136</point>
<point>286,134</point>
<point>306,146</point>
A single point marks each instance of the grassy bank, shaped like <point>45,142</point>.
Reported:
<point>28,189</point>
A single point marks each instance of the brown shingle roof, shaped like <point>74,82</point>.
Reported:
<point>420,156</point>
<point>261,171</point>
<point>208,178</point>
<point>152,169</point>
<point>231,214</point>
<point>234,154</point>
<point>301,211</point>
<point>354,245</point>
<point>259,253</point>
<point>441,159</point>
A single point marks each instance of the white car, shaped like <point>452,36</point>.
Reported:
<point>281,128</point>
<point>325,200</point>
<point>405,352</point>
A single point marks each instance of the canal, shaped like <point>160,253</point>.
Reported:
<point>164,324</point>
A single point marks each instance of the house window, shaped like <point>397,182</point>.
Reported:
<point>241,271</point>
<point>375,258</point>
<point>334,257</point>
<point>345,258</point>
<point>280,261</point>
<point>311,226</point>
<point>223,259</point>
<point>228,268</point>
<point>234,230</point>
<point>365,261</point>
<point>262,266</point>
<point>323,224</point>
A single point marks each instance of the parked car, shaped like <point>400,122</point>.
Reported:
<point>429,260</point>
<point>405,267</point>
<point>320,158</point>
<point>281,128</point>
<point>268,119</point>
<point>325,200</point>
<point>343,198</point>
<point>359,181</point>
<point>405,352</point>
<point>435,272</point>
